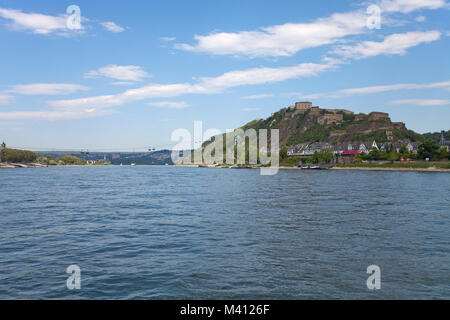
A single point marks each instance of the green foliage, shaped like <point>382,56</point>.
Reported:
<point>349,117</point>
<point>314,134</point>
<point>407,135</point>
<point>436,136</point>
<point>301,118</point>
<point>102,163</point>
<point>379,136</point>
<point>389,155</point>
<point>429,149</point>
<point>14,155</point>
<point>272,122</point>
<point>290,161</point>
<point>410,165</point>
<point>323,156</point>
<point>71,160</point>
<point>255,124</point>
<point>392,156</point>
<point>375,154</point>
<point>443,153</point>
<point>404,150</point>
<point>283,153</point>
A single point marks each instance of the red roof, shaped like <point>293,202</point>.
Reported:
<point>351,152</point>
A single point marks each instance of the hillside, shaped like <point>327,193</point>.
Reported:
<point>304,123</point>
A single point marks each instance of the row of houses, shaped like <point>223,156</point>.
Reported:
<point>350,148</point>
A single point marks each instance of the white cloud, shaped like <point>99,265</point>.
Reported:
<point>378,89</point>
<point>47,88</point>
<point>111,26</point>
<point>422,102</point>
<point>280,40</point>
<point>5,99</point>
<point>421,19</point>
<point>169,104</point>
<point>401,86</point>
<point>250,109</point>
<point>35,22</point>
<point>206,85</point>
<point>263,75</point>
<point>392,44</point>
<point>122,83</point>
<point>258,96</point>
<point>168,39</point>
<point>123,73</point>
<point>407,6</point>
<point>52,114</point>
<point>290,38</point>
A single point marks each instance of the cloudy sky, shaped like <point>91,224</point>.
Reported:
<point>118,75</point>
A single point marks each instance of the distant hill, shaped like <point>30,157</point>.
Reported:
<point>436,136</point>
<point>140,158</point>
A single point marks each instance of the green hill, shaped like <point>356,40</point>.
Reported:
<point>313,124</point>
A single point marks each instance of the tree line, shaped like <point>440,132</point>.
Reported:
<point>19,156</point>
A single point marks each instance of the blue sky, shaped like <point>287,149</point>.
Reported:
<point>132,72</point>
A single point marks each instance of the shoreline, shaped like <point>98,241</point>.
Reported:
<point>430,169</point>
<point>7,165</point>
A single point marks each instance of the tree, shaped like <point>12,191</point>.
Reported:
<point>428,149</point>
<point>393,156</point>
<point>14,155</point>
<point>404,150</point>
<point>323,156</point>
<point>374,154</point>
<point>283,153</point>
<point>443,153</point>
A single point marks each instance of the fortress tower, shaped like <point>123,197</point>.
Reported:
<point>303,106</point>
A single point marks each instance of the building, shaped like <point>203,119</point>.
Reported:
<point>374,145</point>
<point>297,150</point>
<point>346,157</point>
<point>444,143</point>
<point>397,146</point>
<point>303,106</point>
<point>389,135</point>
<point>316,147</point>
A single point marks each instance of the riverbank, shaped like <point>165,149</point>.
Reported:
<point>430,169</point>
<point>422,166</point>
<point>366,167</point>
<point>10,165</point>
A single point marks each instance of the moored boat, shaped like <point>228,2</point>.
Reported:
<point>311,167</point>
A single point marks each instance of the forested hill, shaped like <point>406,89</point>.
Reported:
<point>313,124</point>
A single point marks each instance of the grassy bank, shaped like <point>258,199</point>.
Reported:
<point>400,165</point>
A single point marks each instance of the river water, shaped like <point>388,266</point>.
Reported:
<point>164,232</point>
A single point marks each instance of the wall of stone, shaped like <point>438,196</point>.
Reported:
<point>378,115</point>
<point>330,118</point>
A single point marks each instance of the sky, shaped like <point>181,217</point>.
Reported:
<point>123,75</point>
